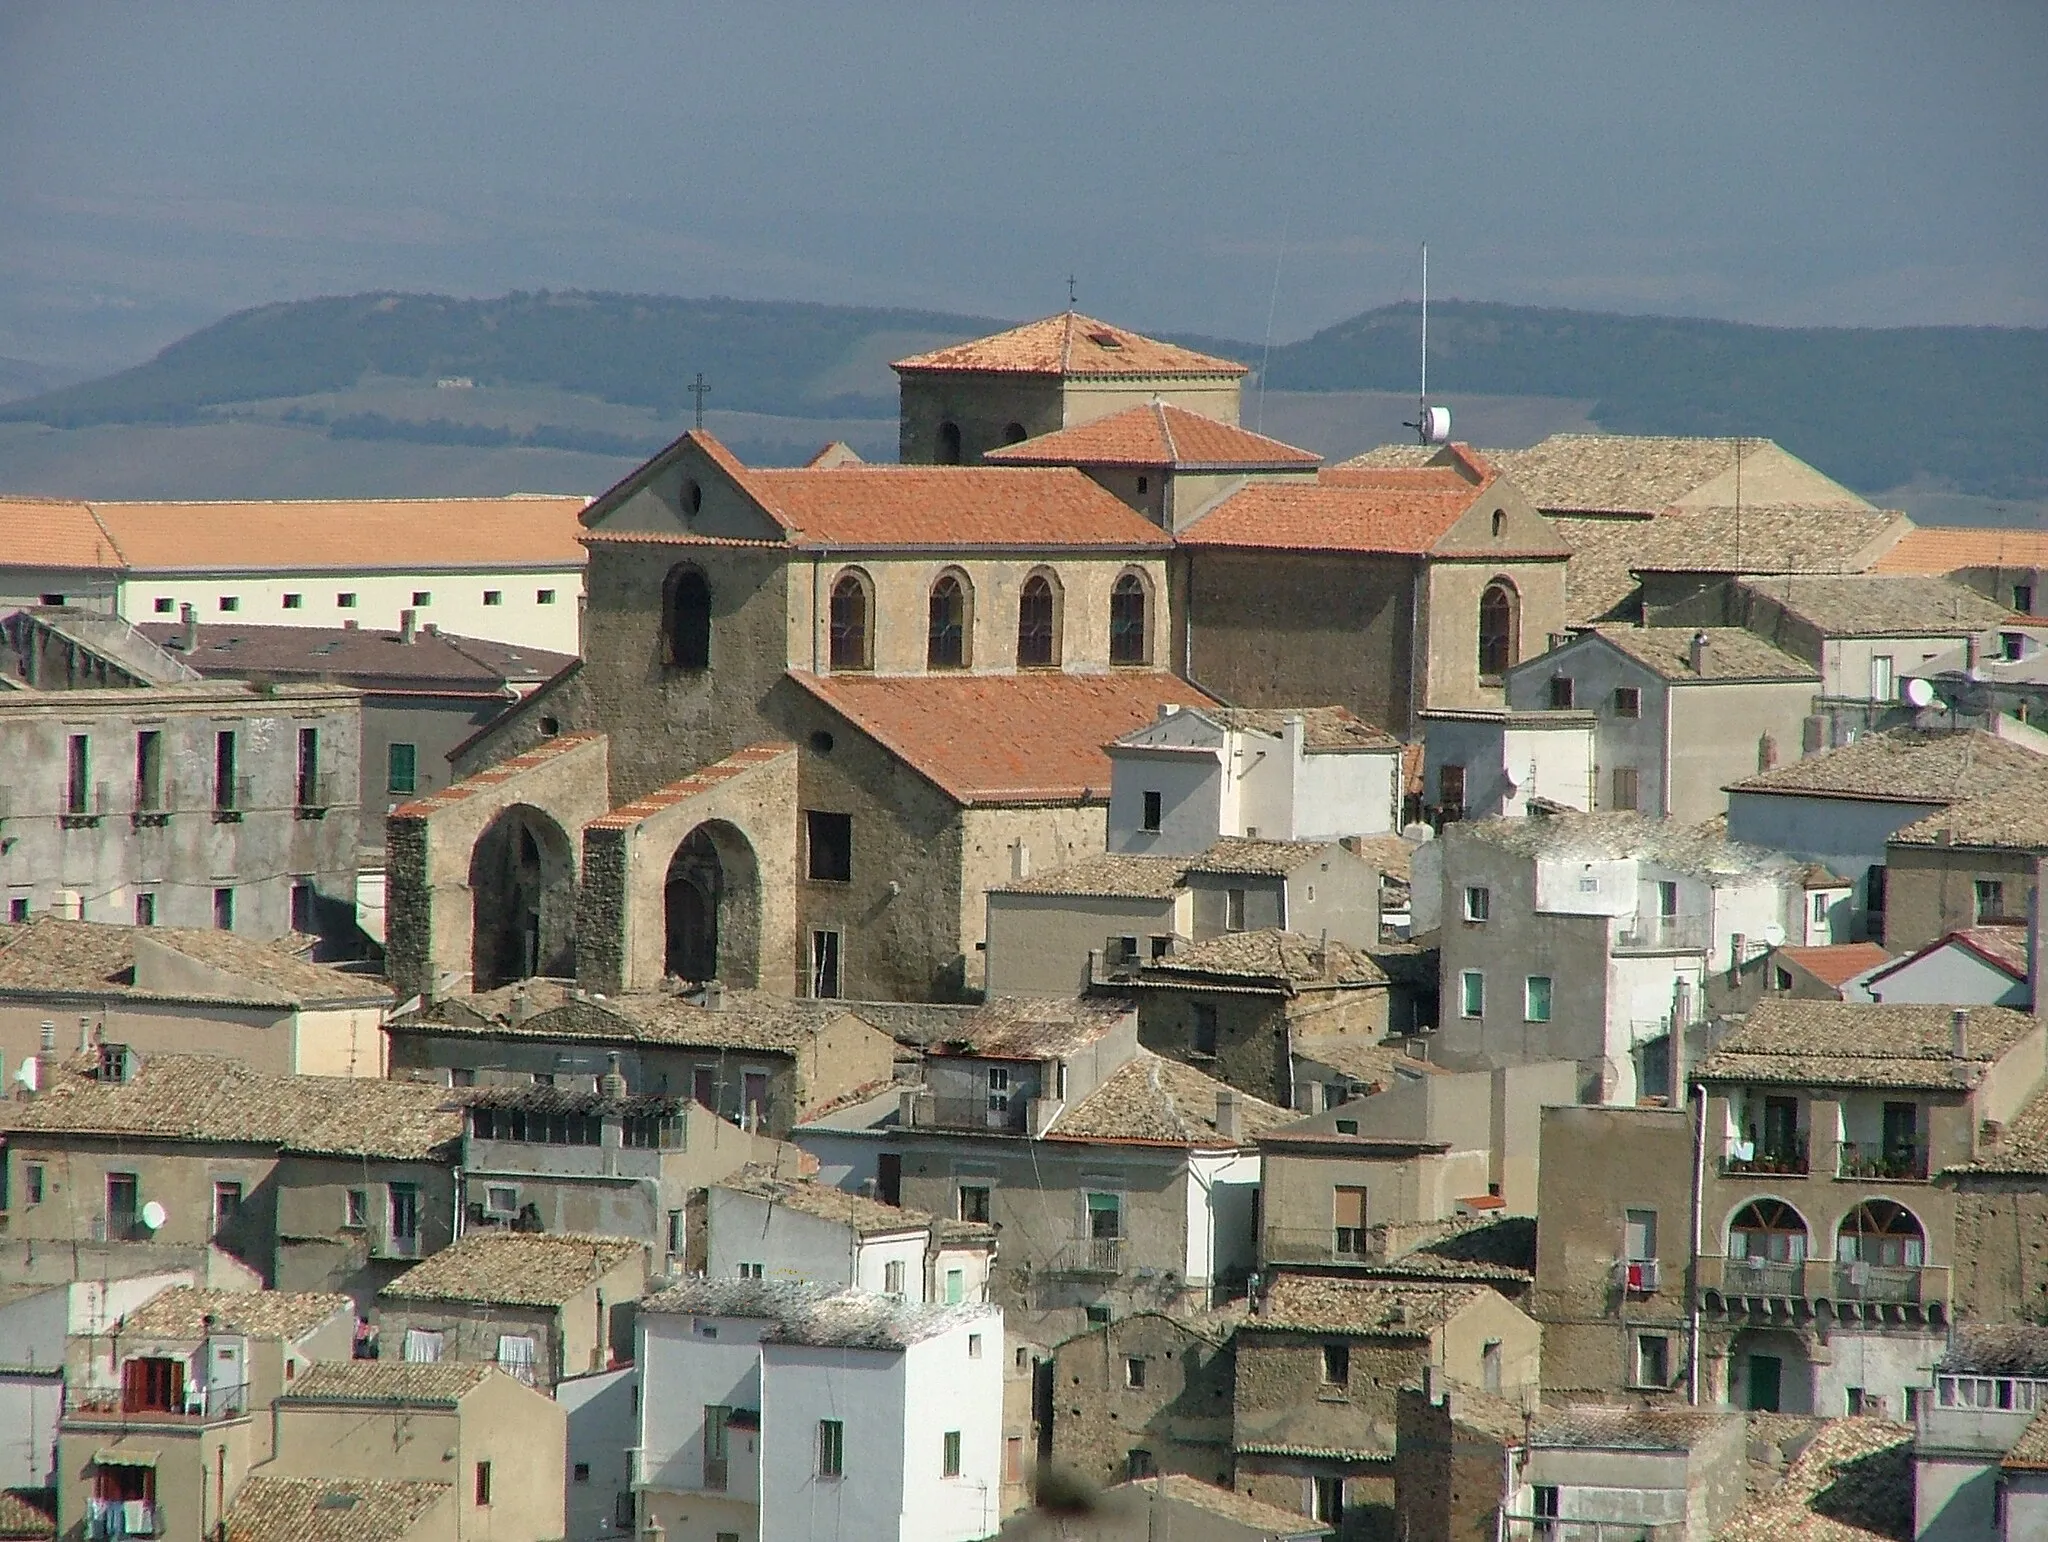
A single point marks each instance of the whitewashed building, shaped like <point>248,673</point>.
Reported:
<point>784,1412</point>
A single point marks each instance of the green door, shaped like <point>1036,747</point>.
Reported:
<point>1766,1376</point>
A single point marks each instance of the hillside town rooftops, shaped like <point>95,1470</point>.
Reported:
<point>1996,1349</point>
<point>2003,947</point>
<point>866,1217</point>
<point>2014,818</point>
<point>1606,1427</point>
<point>1314,1303</point>
<point>851,507</point>
<point>1703,849</point>
<point>1852,1482</point>
<point>547,1009</point>
<point>1156,434</point>
<point>1837,963</point>
<point>440,1383</point>
<point>1908,765</point>
<point>48,955</point>
<point>1033,1027</point>
<point>1769,538</point>
<point>1882,604</point>
<point>1225,1504</point>
<point>1269,956</point>
<point>432,661</point>
<point>1641,474</point>
<point>2021,1148</point>
<point>1107,875</point>
<point>1254,857</point>
<point>1373,1062</point>
<point>512,1269</point>
<point>1953,548</point>
<point>1324,729</point>
<point>272,1509</point>
<point>191,1312</point>
<point>2030,1452</point>
<point>1156,1101</point>
<point>1068,344</point>
<point>1848,1044</point>
<point>1394,511</point>
<point>1728,654</point>
<point>803,1313</point>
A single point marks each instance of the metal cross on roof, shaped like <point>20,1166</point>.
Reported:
<point>700,388</point>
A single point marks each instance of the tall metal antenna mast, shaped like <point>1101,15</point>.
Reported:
<point>1433,424</point>
<point>1425,322</point>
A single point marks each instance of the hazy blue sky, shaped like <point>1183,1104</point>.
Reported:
<point>1854,162</point>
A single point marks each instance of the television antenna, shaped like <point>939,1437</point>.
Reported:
<point>1433,424</point>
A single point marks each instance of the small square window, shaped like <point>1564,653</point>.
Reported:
<point>53,599</point>
<point>17,909</point>
<point>1098,1316</point>
<point>1628,701</point>
<point>583,1472</point>
<point>1472,993</point>
<point>974,1202</point>
<point>423,597</point>
<point>1478,903</point>
<point>1152,810</point>
<point>230,602</point>
<point>1336,1364</point>
<point>949,1464</point>
<point>1134,1370</point>
<point>294,601</point>
<point>494,596</point>
<point>543,596</point>
<point>345,600</point>
<point>163,604</point>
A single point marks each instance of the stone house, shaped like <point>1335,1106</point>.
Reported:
<point>1971,864</point>
<point>1980,966</point>
<point>1320,1364</point>
<point>168,1412</point>
<point>1826,1272</point>
<point>2000,1199</point>
<point>757,1060</point>
<point>1173,1505</point>
<point>1978,1442</point>
<point>1388,591</point>
<point>503,568</point>
<point>1675,1474</point>
<point>1235,1005</point>
<point>189,1161</point>
<point>1614,1253</point>
<point>1841,807</point>
<point>113,990</point>
<point>539,1306</point>
<point>1679,712</point>
<point>1453,1450</point>
<point>140,793</point>
<point>1143,1395</point>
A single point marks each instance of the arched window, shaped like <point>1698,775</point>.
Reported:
<point>1038,640</point>
<point>1767,1231</point>
<point>1129,637</point>
<point>1498,623</point>
<point>686,618</point>
<point>1884,1233</point>
<point>851,646</point>
<point>948,450</point>
<point>1014,433</point>
<point>1500,522</point>
<point>946,643</point>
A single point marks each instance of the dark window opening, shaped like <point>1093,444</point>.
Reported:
<point>483,1483</point>
<point>1128,641</point>
<point>1014,433</point>
<point>1496,631</point>
<point>224,770</point>
<point>849,624</point>
<point>1202,1032</point>
<point>223,910</point>
<point>686,618</point>
<point>78,776</point>
<point>145,910</point>
<point>825,965</point>
<point>309,768</point>
<point>1560,692</point>
<point>947,450</point>
<point>946,644</point>
<point>1036,636</point>
<point>1336,1364</point>
<point>830,843</point>
<point>1628,701</point>
<point>149,771</point>
<point>1153,810</point>
<point>303,908</point>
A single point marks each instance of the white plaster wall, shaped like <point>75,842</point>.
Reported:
<point>1756,909</point>
<point>1354,793</point>
<point>1883,1364</point>
<point>746,1229</point>
<point>871,1267</point>
<point>1192,795</point>
<point>601,1428</point>
<point>1560,886</point>
<point>682,1373</point>
<point>1951,976</point>
<point>1222,1190</point>
<point>865,1391</point>
<point>1553,763</point>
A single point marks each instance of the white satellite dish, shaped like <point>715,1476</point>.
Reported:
<point>29,1074</point>
<point>1435,426</point>
<point>154,1215</point>
<point>1917,692</point>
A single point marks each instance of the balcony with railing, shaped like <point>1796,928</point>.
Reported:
<point>1736,1281</point>
<point>1317,1244</point>
<point>1877,1282</point>
<point>1638,1276</point>
<point>1785,1158</point>
<point>976,1113</point>
<point>1090,1255</point>
<point>1663,934</point>
<point>1893,1162</point>
<point>200,1405</point>
<point>1768,1278</point>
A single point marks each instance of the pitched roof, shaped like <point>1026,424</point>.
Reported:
<point>2021,1147</point>
<point>2013,818</point>
<point>1322,728</point>
<point>804,1313</point>
<point>2030,1451</point>
<point>1038,737</point>
<point>1227,1504</point>
<point>1266,955</point>
<point>751,1020</point>
<point>438,661</point>
<point>1393,856</point>
<point>513,1268</point>
<point>1837,964</point>
<point>206,1098</point>
<point>1254,856</point>
<point>27,1513</point>
<point>1702,849</point>
<point>865,1217</point>
<point>443,1382</point>
<point>1155,434</point>
<point>1610,1427</point>
<point>2004,947</point>
<point>1398,511</point>
<point>1881,604</point>
<point>1849,1044</point>
<point>402,534</point>
<point>54,955</point>
<point>1372,1061</point>
<point>190,1312</point>
<point>1108,875</point>
<point>1852,1483</point>
<point>270,1509</point>
<point>1068,344</point>
<point>1034,1027</point>
<point>1162,1101</point>
<point>857,507</point>
<point>1906,765</point>
<point>1315,1303</point>
<point>1600,579</point>
<point>1769,538</point>
<point>1996,1349</point>
<point>1950,548</point>
<point>1731,654</point>
<point>1642,474</point>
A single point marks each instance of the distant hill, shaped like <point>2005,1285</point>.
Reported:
<point>1961,408</point>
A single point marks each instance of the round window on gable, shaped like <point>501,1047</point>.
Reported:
<point>693,496</point>
<point>550,726</point>
<point>821,741</point>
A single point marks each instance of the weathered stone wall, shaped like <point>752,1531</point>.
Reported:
<point>2001,1247</point>
<point>1447,1474</point>
<point>1931,891</point>
<point>1180,1416</point>
<point>1251,1037</point>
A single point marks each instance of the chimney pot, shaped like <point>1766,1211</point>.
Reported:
<point>1698,656</point>
<point>1227,1124</point>
<point>614,1084</point>
<point>1959,1033</point>
<point>188,629</point>
<point>714,995</point>
<point>408,625</point>
<point>1970,656</point>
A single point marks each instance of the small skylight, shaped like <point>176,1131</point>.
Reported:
<point>1105,339</point>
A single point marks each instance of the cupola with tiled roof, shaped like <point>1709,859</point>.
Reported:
<point>1068,343</point>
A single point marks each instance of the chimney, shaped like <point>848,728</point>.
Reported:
<point>906,1107</point>
<point>433,629</point>
<point>188,629</point>
<point>349,626</point>
<point>613,1083</point>
<point>1700,644</point>
<point>1959,1033</point>
<point>522,1006</point>
<point>1020,861</point>
<point>714,995</point>
<point>1226,1113</point>
<point>2037,944</point>
<point>46,1057</point>
<point>1970,656</point>
<point>408,626</point>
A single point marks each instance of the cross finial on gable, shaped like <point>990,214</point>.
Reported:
<point>1070,291</point>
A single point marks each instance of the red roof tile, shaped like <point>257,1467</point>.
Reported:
<point>1834,966</point>
<point>1153,434</point>
<point>1069,344</point>
<point>492,776</point>
<point>1388,509</point>
<point>627,815</point>
<point>1944,549</point>
<point>1036,738</point>
<point>949,506</point>
<point>53,533</point>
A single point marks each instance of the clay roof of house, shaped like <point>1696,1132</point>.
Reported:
<point>835,452</point>
<point>1267,954</point>
<point>1702,849</point>
<point>1108,875</point>
<point>214,1099</point>
<point>1322,728</point>
<point>1254,856</point>
<point>1852,1483</point>
<point>1769,538</point>
<point>270,1509</point>
<point>1155,434</point>
<point>1850,1044</point>
<point>1392,856</point>
<point>1996,1349</point>
<point>1907,765</point>
<point>1608,1426</point>
<point>2013,817</point>
<point>2030,1451</point>
<point>1163,1102</point>
<point>866,1217</point>
<point>513,1268</point>
<point>2003,946</point>
<point>184,1311</point>
<point>1038,737</point>
<point>804,1313</point>
<point>1373,1061</point>
<point>28,1513</point>
<point>402,534</point>
<point>950,508</point>
<point>1495,1247</point>
<point>2021,1147</point>
<point>52,955</point>
<point>1383,457</point>
<point>1226,1504</point>
<point>1732,654</point>
<point>1882,604</point>
<point>441,1382</point>
<point>1949,548</point>
<point>1395,511</point>
<point>751,1020</point>
<point>1034,1027</point>
<point>1315,1303</point>
<point>1599,579</point>
<point>1838,963</point>
<point>1068,344</point>
<point>1640,474</point>
<point>435,661</point>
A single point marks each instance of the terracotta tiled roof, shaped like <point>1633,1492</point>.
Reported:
<point>850,508</point>
<point>27,1513</point>
<point>1770,538</point>
<point>1731,653</point>
<point>493,776</point>
<point>1371,1061</point>
<point>1110,875</point>
<point>1853,1483</point>
<point>204,1098</point>
<point>1612,1427</point>
<point>2013,818</point>
<point>444,1382</point>
<point>436,661</point>
<point>1949,548</point>
<point>1881,604</point>
<point>2030,1451</point>
<point>1644,474</point>
<point>1838,964</point>
<point>1845,1044</point>
<point>183,1312</point>
<point>333,1509</point>
<point>695,784</point>
<point>1908,765</point>
<point>1254,856</point>
<point>2021,1147</point>
<point>1323,728</point>
<point>1599,580</point>
<point>1266,956</point>
<point>513,1269</point>
<point>52,955</point>
<point>1392,855</point>
<point>1034,1027</point>
<point>1310,1303</point>
<point>751,1020</point>
<point>1402,511</point>
<point>1038,737</point>
<point>866,1217</point>
<point>1997,1349</point>
<point>1154,434</point>
<point>1163,1102</point>
<point>54,533</point>
<point>1069,344</point>
<point>1702,849</point>
<point>1227,1504</point>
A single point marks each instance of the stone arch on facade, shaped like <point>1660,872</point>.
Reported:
<point>949,637</point>
<point>1769,1229</point>
<point>686,617</point>
<point>1130,618</point>
<point>522,896</point>
<point>850,636</point>
<point>711,906</point>
<point>1500,627</point>
<point>1881,1233</point>
<point>946,448</point>
<point>1041,614</point>
<point>1015,433</point>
